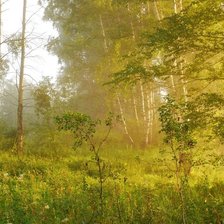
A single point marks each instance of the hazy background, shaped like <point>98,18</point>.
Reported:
<point>39,62</point>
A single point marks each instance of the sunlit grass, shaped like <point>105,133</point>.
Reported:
<point>140,188</point>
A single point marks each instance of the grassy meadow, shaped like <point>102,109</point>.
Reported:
<point>139,186</point>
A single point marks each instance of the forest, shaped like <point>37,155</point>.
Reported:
<point>130,129</point>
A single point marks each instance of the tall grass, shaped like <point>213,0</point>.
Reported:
<point>140,188</point>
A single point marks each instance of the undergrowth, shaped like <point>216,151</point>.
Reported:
<point>140,188</point>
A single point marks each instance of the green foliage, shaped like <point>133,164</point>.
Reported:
<point>7,136</point>
<point>44,141</point>
<point>81,125</point>
<point>206,112</point>
<point>187,43</point>
<point>176,125</point>
<point>84,128</point>
<point>43,96</point>
<point>14,44</point>
<point>180,121</point>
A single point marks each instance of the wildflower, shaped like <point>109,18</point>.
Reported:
<point>20,177</point>
<point>5,174</point>
<point>46,206</point>
<point>65,220</point>
<point>222,6</point>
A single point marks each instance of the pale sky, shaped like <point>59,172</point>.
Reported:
<point>40,62</point>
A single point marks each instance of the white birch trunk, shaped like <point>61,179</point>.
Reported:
<point>143,101</point>
<point>148,7</point>
<point>175,6</point>
<point>152,102</point>
<point>148,119</point>
<point>159,17</point>
<point>132,26</point>
<point>123,120</point>
<point>181,5</point>
<point>184,85</point>
<point>150,116</point>
<point>173,84</point>
<point>104,34</point>
<point>135,108</point>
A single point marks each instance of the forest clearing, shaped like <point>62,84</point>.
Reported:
<point>112,112</point>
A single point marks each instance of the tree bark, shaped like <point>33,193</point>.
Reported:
<point>184,85</point>
<point>123,120</point>
<point>181,5</point>
<point>143,101</point>
<point>135,108</point>
<point>104,34</point>
<point>148,119</point>
<point>152,103</point>
<point>20,128</point>
<point>150,115</point>
<point>159,17</point>
<point>175,6</point>
<point>132,26</point>
<point>173,84</point>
